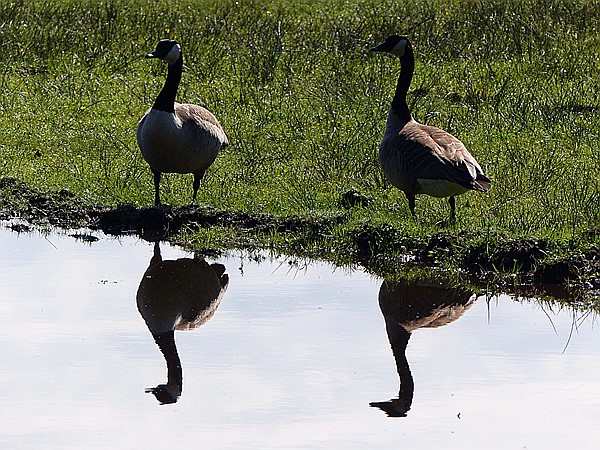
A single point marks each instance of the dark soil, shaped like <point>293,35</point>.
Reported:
<point>474,254</point>
<point>63,210</point>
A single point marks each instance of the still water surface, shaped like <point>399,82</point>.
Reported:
<point>276,356</point>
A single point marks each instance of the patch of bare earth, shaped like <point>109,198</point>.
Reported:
<point>526,257</point>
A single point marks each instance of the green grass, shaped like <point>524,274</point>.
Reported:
<point>305,105</point>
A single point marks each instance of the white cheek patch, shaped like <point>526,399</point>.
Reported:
<point>173,55</point>
<point>399,49</point>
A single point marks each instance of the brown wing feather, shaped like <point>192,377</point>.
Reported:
<point>203,119</point>
<point>437,155</point>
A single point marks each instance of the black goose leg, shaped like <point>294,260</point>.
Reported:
<point>452,202</point>
<point>411,203</point>
<point>156,188</point>
<point>197,177</point>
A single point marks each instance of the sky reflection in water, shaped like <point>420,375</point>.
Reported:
<point>278,357</point>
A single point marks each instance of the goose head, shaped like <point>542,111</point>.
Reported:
<point>166,393</point>
<point>168,50</point>
<point>395,45</point>
<point>397,407</point>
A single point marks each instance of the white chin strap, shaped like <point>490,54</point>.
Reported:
<point>173,55</point>
<point>399,49</point>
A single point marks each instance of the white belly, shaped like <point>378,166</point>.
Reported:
<point>439,188</point>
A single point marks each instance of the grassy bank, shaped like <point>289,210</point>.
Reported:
<point>305,107</point>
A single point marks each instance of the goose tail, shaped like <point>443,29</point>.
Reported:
<point>482,183</point>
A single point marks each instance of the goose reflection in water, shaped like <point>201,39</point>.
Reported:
<point>177,295</point>
<point>406,307</point>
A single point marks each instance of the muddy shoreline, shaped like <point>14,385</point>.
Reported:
<point>524,260</point>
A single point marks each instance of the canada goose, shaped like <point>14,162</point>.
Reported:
<point>421,159</point>
<point>174,137</point>
<point>409,306</point>
<point>177,295</point>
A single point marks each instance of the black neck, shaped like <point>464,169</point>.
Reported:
<point>166,343</point>
<point>399,104</point>
<point>399,336</point>
<point>166,99</point>
<point>156,256</point>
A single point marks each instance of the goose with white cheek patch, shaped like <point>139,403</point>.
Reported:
<point>174,137</point>
<point>421,159</point>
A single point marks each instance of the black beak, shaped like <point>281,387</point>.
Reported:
<point>151,55</point>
